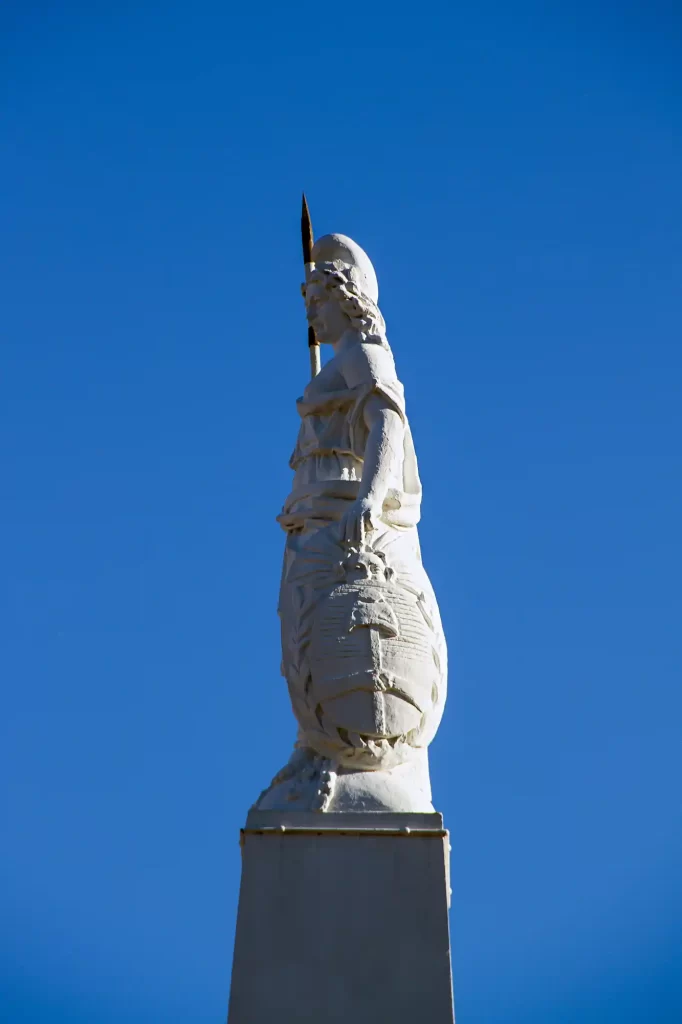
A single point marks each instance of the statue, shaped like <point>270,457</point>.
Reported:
<point>363,651</point>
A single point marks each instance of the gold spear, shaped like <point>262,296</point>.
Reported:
<point>307,238</point>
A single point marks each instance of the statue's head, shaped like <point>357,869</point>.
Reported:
<point>331,248</point>
<point>341,292</point>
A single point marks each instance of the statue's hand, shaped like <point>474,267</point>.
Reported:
<point>359,520</point>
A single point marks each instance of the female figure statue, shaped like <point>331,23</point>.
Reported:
<point>363,650</point>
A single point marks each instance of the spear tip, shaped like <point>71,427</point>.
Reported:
<point>306,231</point>
<point>307,239</point>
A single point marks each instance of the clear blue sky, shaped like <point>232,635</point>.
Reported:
<point>515,172</point>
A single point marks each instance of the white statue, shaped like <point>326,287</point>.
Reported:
<point>363,650</point>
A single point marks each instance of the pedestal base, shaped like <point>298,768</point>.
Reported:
<point>342,917</point>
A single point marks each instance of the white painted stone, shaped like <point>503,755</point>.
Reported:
<point>342,917</point>
<point>363,650</point>
<point>312,782</point>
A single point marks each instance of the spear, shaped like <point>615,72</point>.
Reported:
<point>307,238</point>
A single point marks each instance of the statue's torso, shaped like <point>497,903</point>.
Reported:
<point>330,448</point>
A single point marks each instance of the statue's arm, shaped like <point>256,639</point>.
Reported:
<point>383,451</point>
<point>384,444</point>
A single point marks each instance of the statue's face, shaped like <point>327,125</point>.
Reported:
<point>324,315</point>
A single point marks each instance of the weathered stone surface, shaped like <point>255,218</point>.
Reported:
<point>342,917</point>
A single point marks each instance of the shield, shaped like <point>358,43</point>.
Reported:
<point>374,666</point>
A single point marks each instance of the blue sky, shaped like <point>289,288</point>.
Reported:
<point>514,172</point>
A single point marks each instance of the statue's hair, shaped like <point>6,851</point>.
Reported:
<point>364,314</point>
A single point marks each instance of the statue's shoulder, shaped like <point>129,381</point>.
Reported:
<point>366,363</point>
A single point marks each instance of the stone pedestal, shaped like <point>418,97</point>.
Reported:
<point>342,917</point>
